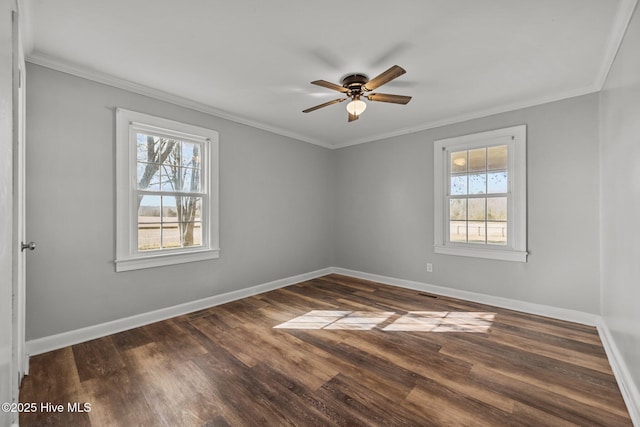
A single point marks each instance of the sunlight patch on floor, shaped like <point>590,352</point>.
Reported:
<point>330,319</point>
<point>443,321</point>
<point>413,321</point>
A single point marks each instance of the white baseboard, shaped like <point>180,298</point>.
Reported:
<point>54,342</point>
<point>65,339</point>
<point>628,389</point>
<point>511,304</point>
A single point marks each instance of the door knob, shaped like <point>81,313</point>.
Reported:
<point>31,246</point>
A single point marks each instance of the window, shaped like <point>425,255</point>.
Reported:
<point>480,195</point>
<point>167,192</point>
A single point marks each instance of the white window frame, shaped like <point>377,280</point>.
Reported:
<point>516,248</point>
<point>127,255</point>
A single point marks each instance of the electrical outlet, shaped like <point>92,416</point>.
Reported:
<point>429,267</point>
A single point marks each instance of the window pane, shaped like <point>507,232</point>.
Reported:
<point>171,235</point>
<point>477,160</point>
<point>189,208</point>
<point>458,209</point>
<point>149,209</point>
<point>181,234</point>
<point>459,184</point>
<point>497,182</point>
<point>190,180</point>
<point>166,222</point>
<point>169,209</point>
<point>148,237</point>
<point>146,147</point>
<point>497,233</point>
<point>189,217</point>
<point>190,154</point>
<point>476,209</point>
<point>148,176</point>
<point>458,231</point>
<point>149,223</point>
<point>169,151</point>
<point>458,161</point>
<point>170,178</point>
<point>477,232</point>
<point>197,201</point>
<point>192,234</point>
<point>497,208</point>
<point>497,157</point>
<point>478,183</point>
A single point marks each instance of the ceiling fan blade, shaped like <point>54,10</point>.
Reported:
<point>384,97</point>
<point>330,85</point>
<point>326,104</point>
<point>352,117</point>
<point>385,77</point>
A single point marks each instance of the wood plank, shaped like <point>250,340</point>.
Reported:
<point>53,378</point>
<point>131,339</point>
<point>366,404</point>
<point>292,406</point>
<point>173,388</point>
<point>562,406</point>
<point>447,407</point>
<point>116,400</point>
<point>229,366</point>
<point>556,376</point>
<point>96,358</point>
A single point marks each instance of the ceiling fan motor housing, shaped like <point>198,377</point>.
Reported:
<point>355,83</point>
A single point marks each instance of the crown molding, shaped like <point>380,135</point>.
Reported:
<point>475,115</point>
<point>620,25</point>
<point>104,78</point>
<point>622,20</point>
<point>107,79</point>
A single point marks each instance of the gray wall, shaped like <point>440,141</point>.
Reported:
<point>620,150</point>
<point>289,208</point>
<point>6,207</point>
<point>384,209</point>
<point>275,198</point>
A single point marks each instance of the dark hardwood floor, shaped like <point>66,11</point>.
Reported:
<point>334,351</point>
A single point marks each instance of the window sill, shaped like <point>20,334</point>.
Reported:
<point>159,260</point>
<point>499,254</point>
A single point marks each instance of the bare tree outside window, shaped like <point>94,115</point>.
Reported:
<point>167,192</point>
<point>170,193</point>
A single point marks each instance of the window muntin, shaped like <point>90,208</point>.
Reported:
<point>167,192</point>
<point>480,195</point>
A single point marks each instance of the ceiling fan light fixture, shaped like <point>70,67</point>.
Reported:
<point>355,86</point>
<point>356,107</point>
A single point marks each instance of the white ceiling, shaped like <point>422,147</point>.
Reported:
<point>252,60</point>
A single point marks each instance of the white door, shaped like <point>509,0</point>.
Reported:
<point>19,258</point>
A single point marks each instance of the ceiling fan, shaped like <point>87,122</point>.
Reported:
<point>356,86</point>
